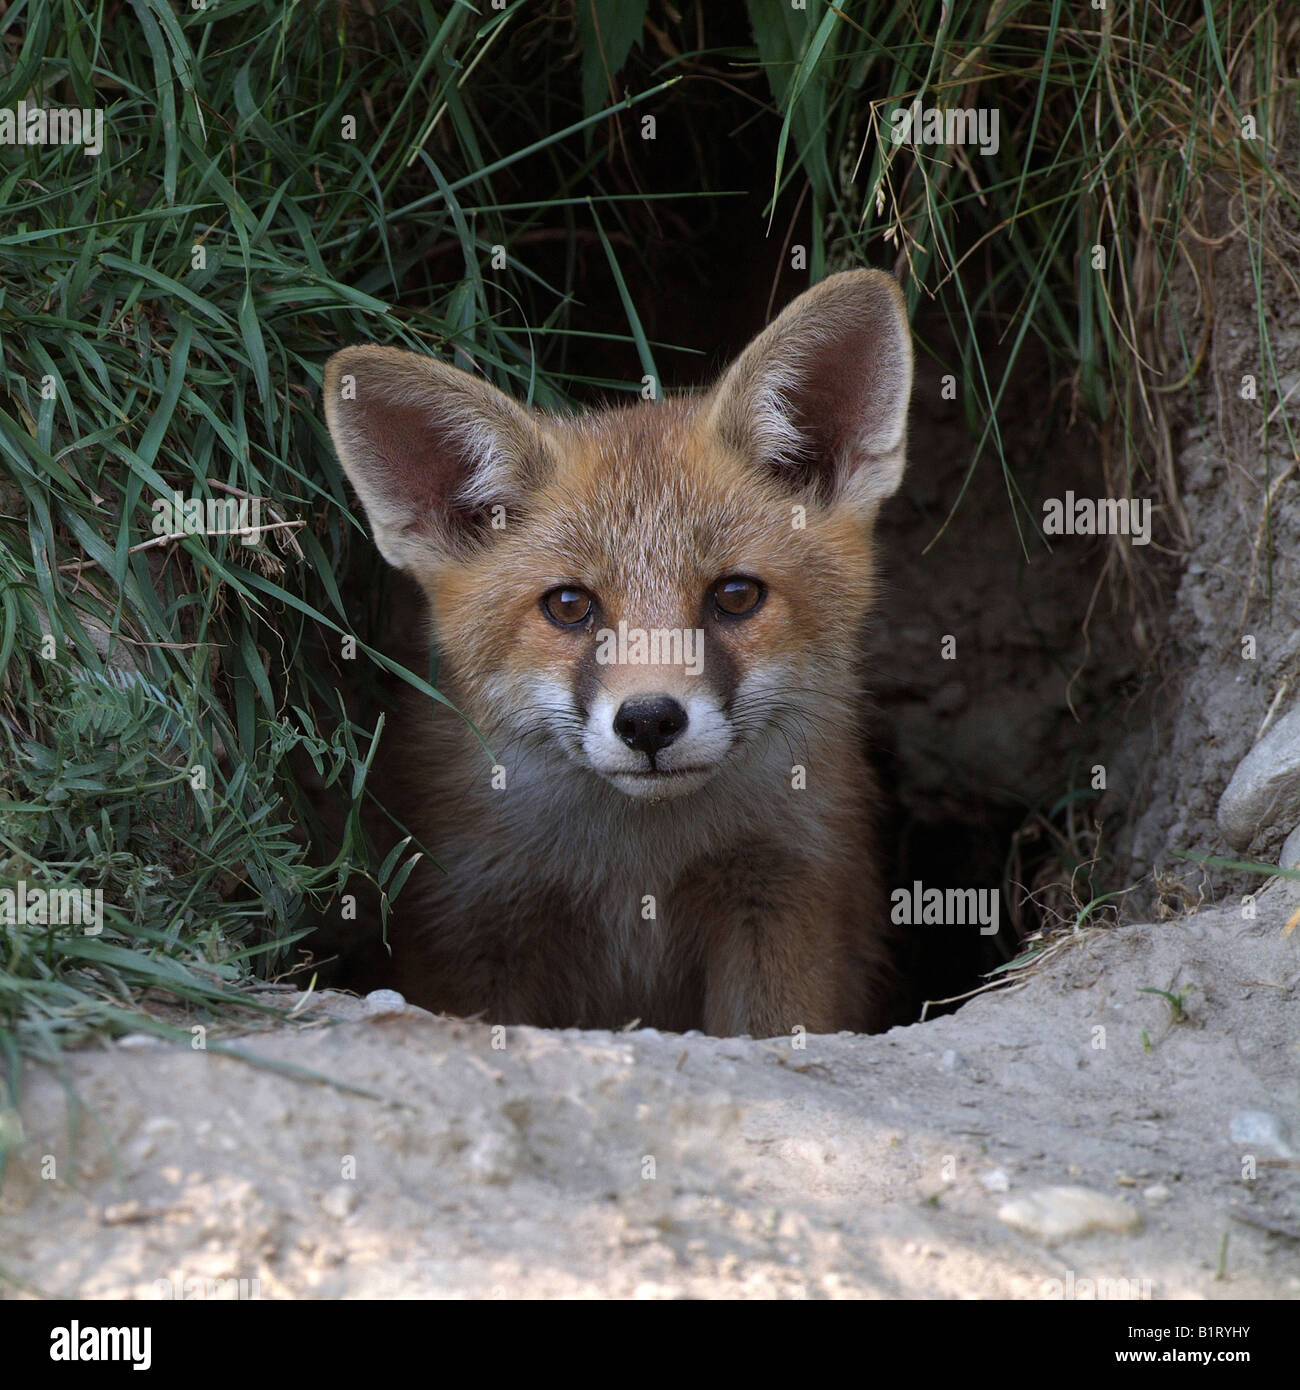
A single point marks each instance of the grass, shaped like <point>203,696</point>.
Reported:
<point>1177,1002</point>
<point>281,179</point>
<point>277,180</point>
<point>1117,126</point>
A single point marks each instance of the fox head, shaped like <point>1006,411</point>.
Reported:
<point>659,591</point>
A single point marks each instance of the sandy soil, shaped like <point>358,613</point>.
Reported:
<point>640,1164</point>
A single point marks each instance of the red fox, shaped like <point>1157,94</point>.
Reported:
<point>653,616</point>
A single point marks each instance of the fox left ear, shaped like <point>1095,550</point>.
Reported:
<point>820,397</point>
<point>428,448</point>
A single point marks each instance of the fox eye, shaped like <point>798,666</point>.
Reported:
<point>567,607</point>
<point>737,596</point>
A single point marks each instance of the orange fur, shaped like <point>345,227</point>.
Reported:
<point>726,880</point>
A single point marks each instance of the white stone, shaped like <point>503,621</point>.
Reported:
<point>1057,1213</point>
<point>1265,789</point>
<point>381,1002</point>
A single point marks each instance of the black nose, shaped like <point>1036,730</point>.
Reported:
<point>651,724</point>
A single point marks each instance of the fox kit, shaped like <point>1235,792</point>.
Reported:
<point>653,617</point>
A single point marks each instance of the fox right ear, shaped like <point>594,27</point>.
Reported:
<point>819,398</point>
<point>428,448</point>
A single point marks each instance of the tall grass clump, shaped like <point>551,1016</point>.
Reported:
<point>276,180</point>
<point>1117,125</point>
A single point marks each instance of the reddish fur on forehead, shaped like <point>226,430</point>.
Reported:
<point>645,498</point>
<point>647,509</point>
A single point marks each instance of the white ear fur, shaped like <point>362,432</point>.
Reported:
<point>427,446</point>
<point>820,397</point>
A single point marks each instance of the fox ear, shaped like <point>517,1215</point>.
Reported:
<point>429,449</point>
<point>820,397</point>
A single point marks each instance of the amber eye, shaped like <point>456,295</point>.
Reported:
<point>567,607</point>
<point>736,596</point>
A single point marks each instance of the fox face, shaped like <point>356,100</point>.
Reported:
<point>653,615</point>
<point>658,595</point>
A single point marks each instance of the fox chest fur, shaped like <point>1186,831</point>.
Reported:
<point>652,618</point>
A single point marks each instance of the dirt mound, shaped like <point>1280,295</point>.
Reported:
<point>479,1162</point>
